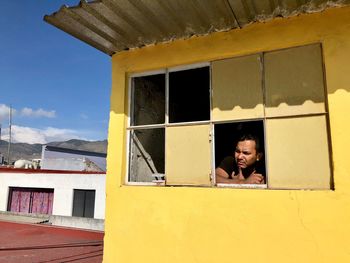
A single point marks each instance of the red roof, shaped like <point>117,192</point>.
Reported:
<point>43,243</point>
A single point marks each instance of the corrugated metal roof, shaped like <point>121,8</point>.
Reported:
<point>117,25</point>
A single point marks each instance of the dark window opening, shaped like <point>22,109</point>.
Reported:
<point>228,134</point>
<point>147,155</point>
<point>84,203</point>
<point>148,97</point>
<point>189,95</point>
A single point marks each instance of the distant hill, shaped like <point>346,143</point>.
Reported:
<point>33,151</point>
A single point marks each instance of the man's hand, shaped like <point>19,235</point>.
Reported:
<point>223,177</point>
<point>254,179</point>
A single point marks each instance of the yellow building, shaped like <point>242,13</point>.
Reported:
<point>176,103</point>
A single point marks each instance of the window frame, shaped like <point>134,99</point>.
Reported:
<point>75,190</point>
<point>31,191</point>
<point>212,122</point>
<point>238,186</point>
<point>166,123</point>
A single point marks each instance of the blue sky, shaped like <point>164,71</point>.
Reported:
<point>58,86</point>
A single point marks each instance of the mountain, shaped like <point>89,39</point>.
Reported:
<point>33,151</point>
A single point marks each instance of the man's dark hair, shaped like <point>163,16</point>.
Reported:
<point>251,137</point>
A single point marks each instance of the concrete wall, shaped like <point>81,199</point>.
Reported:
<point>77,222</point>
<point>63,185</point>
<point>64,221</point>
<point>196,224</point>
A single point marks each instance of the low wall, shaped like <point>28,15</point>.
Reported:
<point>77,222</point>
<point>65,221</point>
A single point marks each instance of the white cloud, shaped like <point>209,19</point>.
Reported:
<point>25,112</point>
<point>33,135</point>
<point>28,112</point>
<point>4,112</point>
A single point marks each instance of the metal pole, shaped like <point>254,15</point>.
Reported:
<point>9,143</point>
<point>1,159</point>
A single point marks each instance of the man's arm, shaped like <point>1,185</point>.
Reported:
<point>222,177</point>
<point>255,178</point>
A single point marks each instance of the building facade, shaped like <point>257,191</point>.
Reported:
<point>189,224</point>
<point>289,79</point>
<point>61,193</point>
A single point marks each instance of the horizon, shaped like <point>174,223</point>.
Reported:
<point>1,140</point>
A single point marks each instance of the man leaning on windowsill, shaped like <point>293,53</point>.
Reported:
<point>244,167</point>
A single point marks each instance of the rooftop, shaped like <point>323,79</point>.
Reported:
<point>115,25</point>
<point>42,243</point>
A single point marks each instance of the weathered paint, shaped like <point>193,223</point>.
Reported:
<point>199,224</point>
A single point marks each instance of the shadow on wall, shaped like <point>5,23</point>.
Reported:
<point>289,77</point>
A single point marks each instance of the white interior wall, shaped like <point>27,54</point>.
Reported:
<point>63,185</point>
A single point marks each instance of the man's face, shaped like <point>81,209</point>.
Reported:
<point>245,154</point>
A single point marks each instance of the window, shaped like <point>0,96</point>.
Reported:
<point>189,95</point>
<point>184,121</point>
<point>295,112</point>
<point>84,203</point>
<point>30,200</point>
<point>227,135</point>
<point>172,104</point>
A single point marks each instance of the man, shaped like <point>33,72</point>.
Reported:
<point>243,167</point>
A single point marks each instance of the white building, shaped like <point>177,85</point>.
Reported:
<point>53,192</point>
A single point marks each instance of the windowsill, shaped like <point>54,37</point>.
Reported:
<point>159,183</point>
<point>243,186</point>
<point>237,186</point>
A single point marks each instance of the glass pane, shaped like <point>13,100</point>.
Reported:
<point>146,162</point>
<point>237,88</point>
<point>188,160</point>
<point>148,100</point>
<point>89,203</point>
<point>189,95</point>
<point>78,203</point>
<point>298,153</point>
<point>294,81</point>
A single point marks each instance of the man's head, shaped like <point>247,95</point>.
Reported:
<point>247,151</point>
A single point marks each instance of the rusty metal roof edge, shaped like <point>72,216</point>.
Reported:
<point>50,19</point>
<point>76,35</point>
<point>257,19</point>
<point>279,11</point>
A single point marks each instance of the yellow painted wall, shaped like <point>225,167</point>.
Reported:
<point>198,224</point>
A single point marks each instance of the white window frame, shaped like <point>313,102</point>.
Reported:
<point>212,123</point>
<point>166,123</point>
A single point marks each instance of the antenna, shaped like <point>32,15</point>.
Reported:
<point>10,138</point>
